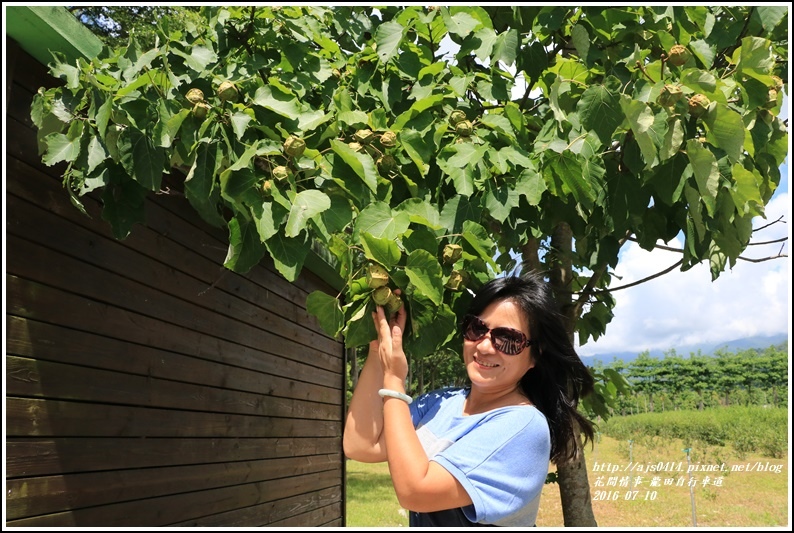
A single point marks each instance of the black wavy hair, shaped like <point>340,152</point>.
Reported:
<point>559,378</point>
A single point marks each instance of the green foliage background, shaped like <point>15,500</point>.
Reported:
<point>405,151</point>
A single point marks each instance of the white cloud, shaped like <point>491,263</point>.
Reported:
<point>686,308</point>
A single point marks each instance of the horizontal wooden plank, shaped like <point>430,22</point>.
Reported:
<point>33,262</point>
<point>328,516</point>
<point>165,510</point>
<point>28,457</point>
<point>35,301</point>
<point>29,417</point>
<point>32,496</point>
<point>166,239</point>
<point>43,379</point>
<point>48,342</point>
<point>266,513</point>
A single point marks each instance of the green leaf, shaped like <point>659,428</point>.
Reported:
<point>384,251</point>
<point>60,148</point>
<point>278,101</point>
<point>431,326</point>
<point>141,159</point>
<point>672,140</point>
<point>457,211</point>
<point>746,193</point>
<point>532,185</point>
<point>421,212</point>
<point>200,188</point>
<point>599,110</point>
<point>362,164</point>
<point>581,40</point>
<point>388,37</point>
<point>417,149</point>
<point>288,255</point>
<point>754,58</point>
<point>460,24</point>
<point>707,174</point>
<point>506,47</point>
<point>424,271</point>
<point>200,57</point>
<point>360,329</point>
<point>122,202</point>
<point>240,122</point>
<point>479,241</point>
<point>327,310</point>
<point>245,249</point>
<point>306,205</point>
<point>380,221</point>
<point>725,129</point>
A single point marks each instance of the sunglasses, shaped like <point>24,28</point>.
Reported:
<point>509,341</point>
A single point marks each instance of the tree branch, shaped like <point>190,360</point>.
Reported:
<point>589,288</point>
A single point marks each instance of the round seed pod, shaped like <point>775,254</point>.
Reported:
<point>386,163</point>
<point>678,55</point>
<point>281,173</point>
<point>381,295</point>
<point>456,281</point>
<point>376,276</point>
<point>452,253</point>
<point>464,129</point>
<point>771,98</point>
<point>393,304</point>
<point>267,187</point>
<point>195,95</point>
<point>698,105</point>
<point>364,136</point>
<point>355,146</point>
<point>294,146</point>
<point>227,91</point>
<point>388,139</point>
<point>200,110</point>
<point>456,117</point>
<point>669,95</point>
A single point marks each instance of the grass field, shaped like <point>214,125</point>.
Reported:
<point>738,499</point>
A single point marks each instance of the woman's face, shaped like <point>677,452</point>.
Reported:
<point>489,369</point>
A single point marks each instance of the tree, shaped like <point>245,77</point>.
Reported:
<point>555,134</point>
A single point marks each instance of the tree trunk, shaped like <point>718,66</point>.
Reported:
<point>577,509</point>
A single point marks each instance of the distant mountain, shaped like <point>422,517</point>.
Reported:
<point>746,343</point>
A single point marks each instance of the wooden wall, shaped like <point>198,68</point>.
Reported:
<point>145,384</point>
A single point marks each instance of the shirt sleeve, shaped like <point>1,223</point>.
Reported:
<point>502,463</point>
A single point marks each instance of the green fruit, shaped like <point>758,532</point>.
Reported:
<point>281,173</point>
<point>678,55</point>
<point>456,117</point>
<point>452,253</point>
<point>393,304</point>
<point>267,187</point>
<point>464,129</point>
<point>227,92</point>
<point>386,164</point>
<point>456,281</point>
<point>355,146</point>
<point>388,139</point>
<point>698,105</point>
<point>772,98</point>
<point>200,110</point>
<point>195,96</point>
<point>381,295</point>
<point>364,136</point>
<point>669,95</point>
<point>294,146</point>
<point>376,276</point>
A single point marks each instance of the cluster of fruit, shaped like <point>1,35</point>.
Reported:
<point>382,294</point>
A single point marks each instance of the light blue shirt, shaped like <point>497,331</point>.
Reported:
<point>501,457</point>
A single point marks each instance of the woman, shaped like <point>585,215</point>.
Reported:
<point>477,455</point>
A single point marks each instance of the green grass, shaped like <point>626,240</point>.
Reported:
<point>742,499</point>
<point>371,501</point>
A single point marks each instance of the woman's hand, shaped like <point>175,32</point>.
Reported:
<point>390,344</point>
